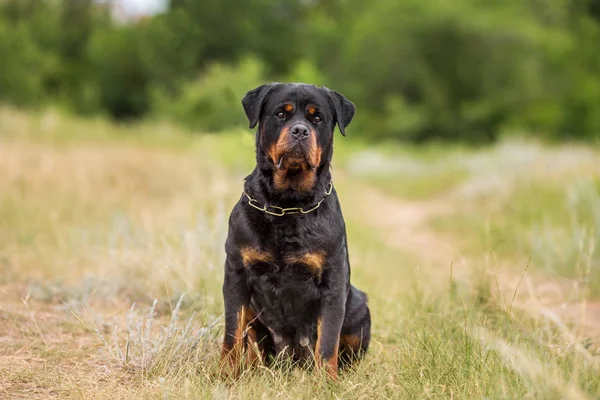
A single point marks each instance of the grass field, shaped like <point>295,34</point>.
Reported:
<point>482,267</point>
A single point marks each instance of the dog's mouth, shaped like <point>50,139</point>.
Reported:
<point>296,159</point>
<point>295,165</point>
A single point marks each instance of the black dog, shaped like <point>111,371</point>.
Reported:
<point>287,276</point>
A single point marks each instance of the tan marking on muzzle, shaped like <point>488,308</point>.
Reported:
<point>311,161</point>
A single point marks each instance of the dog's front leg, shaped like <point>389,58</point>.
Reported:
<point>329,326</point>
<point>236,296</point>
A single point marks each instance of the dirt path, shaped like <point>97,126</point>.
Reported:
<point>404,224</point>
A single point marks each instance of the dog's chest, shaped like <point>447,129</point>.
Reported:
<point>285,287</point>
<point>280,266</point>
<point>292,250</point>
<point>284,272</point>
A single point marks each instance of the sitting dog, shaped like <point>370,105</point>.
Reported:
<point>287,288</point>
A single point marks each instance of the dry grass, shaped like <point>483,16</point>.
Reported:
<point>94,218</point>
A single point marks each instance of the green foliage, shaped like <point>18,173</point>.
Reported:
<point>118,72</point>
<point>213,102</point>
<point>554,224</point>
<point>272,29</point>
<point>456,70</point>
<point>568,239</point>
<point>305,71</point>
<point>465,70</point>
<point>21,77</point>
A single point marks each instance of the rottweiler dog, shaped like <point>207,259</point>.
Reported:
<point>287,288</point>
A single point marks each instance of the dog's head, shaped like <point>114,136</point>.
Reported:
<point>295,136</point>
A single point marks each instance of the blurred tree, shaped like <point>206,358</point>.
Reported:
<point>465,70</point>
<point>118,72</point>
<point>28,43</point>
<point>22,66</point>
<point>79,19</point>
<point>463,65</point>
<point>170,46</point>
<point>271,29</point>
<point>212,102</point>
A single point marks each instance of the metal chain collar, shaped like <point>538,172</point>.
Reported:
<point>280,212</point>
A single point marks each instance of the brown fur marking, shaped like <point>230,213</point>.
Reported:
<point>250,316</point>
<point>314,154</point>
<point>313,260</point>
<point>351,342</point>
<point>288,107</point>
<point>279,148</point>
<point>241,326</point>
<point>331,364</point>
<point>233,355</point>
<point>318,345</point>
<point>251,255</point>
<point>254,355</point>
<point>307,177</point>
<point>254,349</point>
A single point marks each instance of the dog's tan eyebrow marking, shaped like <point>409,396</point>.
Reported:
<point>312,110</point>
<point>315,260</point>
<point>252,255</point>
<point>288,107</point>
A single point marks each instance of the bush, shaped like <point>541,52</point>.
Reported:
<point>446,61</point>
<point>306,72</point>
<point>21,77</point>
<point>118,72</point>
<point>212,102</point>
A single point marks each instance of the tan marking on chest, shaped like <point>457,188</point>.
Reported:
<point>252,255</point>
<point>315,260</point>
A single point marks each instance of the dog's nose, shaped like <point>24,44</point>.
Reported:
<point>300,131</point>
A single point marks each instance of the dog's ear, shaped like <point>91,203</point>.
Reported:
<point>253,102</point>
<point>344,110</point>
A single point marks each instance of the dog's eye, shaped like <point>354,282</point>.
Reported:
<point>280,115</point>
<point>317,119</point>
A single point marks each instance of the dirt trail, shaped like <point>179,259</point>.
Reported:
<point>404,226</point>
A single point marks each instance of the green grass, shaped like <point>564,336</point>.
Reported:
<point>404,171</point>
<point>417,187</point>
<point>96,217</point>
<point>555,224</point>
